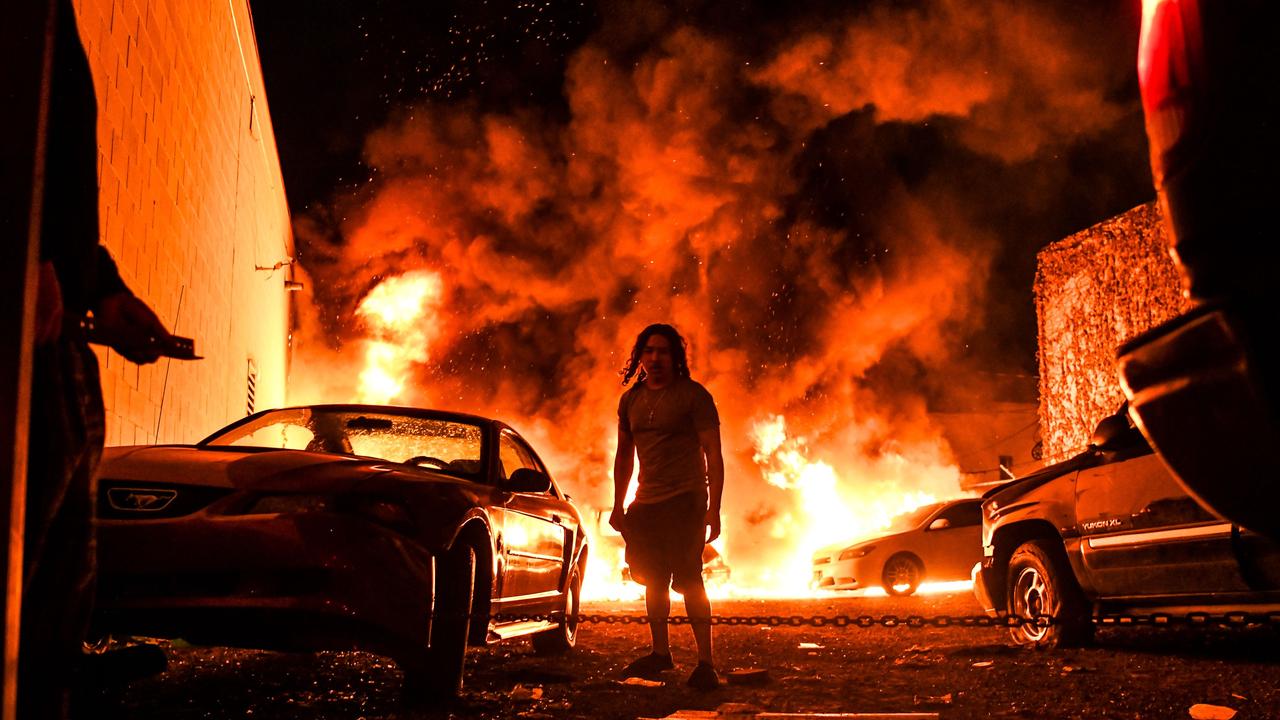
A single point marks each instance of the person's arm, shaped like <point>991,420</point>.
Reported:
<point>710,441</point>
<point>623,464</point>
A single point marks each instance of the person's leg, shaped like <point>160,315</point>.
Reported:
<point>698,607</point>
<point>657,602</point>
<point>643,535</point>
<point>689,538</point>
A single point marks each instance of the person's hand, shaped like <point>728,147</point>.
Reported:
<point>129,327</point>
<point>48,305</point>
<point>713,522</point>
<point>617,519</point>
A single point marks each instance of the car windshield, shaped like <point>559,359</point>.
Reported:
<point>438,443</point>
<point>911,520</point>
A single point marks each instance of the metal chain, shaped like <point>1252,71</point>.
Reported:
<point>1167,620</point>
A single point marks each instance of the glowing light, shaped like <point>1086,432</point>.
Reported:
<point>400,315</point>
<point>828,508</point>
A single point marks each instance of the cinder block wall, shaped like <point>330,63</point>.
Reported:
<point>1094,290</point>
<point>193,206</point>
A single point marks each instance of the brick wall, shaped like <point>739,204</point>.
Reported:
<point>1094,290</point>
<point>192,206</point>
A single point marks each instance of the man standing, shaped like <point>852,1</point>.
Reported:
<point>670,421</point>
<point>76,276</point>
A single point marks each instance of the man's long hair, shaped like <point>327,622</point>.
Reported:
<point>679,354</point>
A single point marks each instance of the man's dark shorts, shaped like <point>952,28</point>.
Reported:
<point>665,540</point>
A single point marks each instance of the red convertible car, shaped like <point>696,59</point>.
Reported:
<point>405,532</point>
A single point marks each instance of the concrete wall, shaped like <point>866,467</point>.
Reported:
<point>193,206</point>
<point>1094,290</point>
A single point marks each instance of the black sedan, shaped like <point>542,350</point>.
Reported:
<point>342,527</point>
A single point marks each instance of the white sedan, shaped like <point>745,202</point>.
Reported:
<point>937,542</point>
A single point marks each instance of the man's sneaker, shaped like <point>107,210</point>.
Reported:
<point>648,666</point>
<point>704,677</point>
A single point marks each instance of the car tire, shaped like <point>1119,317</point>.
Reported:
<point>564,636</point>
<point>439,675</point>
<point>902,575</point>
<point>1040,583</point>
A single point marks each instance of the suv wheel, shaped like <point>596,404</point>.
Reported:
<point>1041,585</point>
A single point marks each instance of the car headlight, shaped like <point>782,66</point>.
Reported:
<point>856,552</point>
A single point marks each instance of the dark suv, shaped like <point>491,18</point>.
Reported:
<point>1110,530</point>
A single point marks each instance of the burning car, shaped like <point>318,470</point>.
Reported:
<point>400,531</point>
<point>1111,530</point>
<point>935,542</point>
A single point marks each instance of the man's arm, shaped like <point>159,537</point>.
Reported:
<point>710,441</point>
<point>624,462</point>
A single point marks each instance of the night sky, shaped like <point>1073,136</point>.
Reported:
<point>340,71</point>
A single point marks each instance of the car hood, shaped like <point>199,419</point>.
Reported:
<point>840,546</point>
<point>255,469</point>
<point>1016,488</point>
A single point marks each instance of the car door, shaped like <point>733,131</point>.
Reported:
<point>1141,535</point>
<point>534,530</point>
<point>955,548</point>
<point>1259,560</point>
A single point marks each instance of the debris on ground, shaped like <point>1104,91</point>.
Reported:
<point>740,714</point>
<point>934,699</point>
<point>522,692</point>
<point>809,646</point>
<point>984,663</point>
<point>641,682</point>
<point>1204,711</point>
<point>748,676</point>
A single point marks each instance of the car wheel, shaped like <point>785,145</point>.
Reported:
<point>1041,585</point>
<point>902,575</point>
<point>564,636</point>
<point>440,672</point>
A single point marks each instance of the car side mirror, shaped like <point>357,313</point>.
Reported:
<point>528,480</point>
<point>940,524</point>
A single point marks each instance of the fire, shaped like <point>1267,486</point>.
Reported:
<point>400,314</point>
<point>824,506</point>
<point>778,200</point>
<point>827,509</point>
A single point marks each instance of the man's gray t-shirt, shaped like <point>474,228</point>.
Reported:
<point>664,425</point>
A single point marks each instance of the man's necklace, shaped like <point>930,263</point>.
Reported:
<point>653,406</point>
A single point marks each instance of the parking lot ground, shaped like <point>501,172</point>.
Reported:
<point>955,672</point>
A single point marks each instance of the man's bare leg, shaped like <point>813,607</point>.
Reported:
<point>698,608</point>
<point>657,602</point>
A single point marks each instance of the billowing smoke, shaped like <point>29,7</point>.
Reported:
<point>781,201</point>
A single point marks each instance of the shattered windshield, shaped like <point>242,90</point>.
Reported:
<point>436,443</point>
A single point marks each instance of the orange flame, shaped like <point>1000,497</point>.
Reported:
<point>400,314</point>
<point>676,187</point>
<point>827,509</point>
